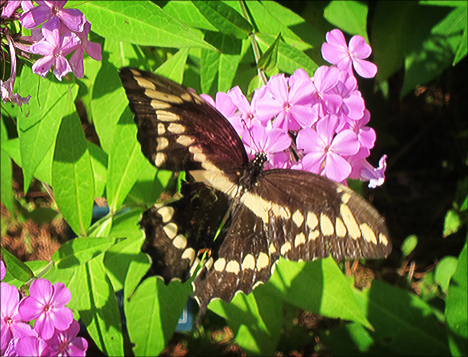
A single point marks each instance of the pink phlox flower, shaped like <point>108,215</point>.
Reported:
<point>289,101</point>
<point>337,52</point>
<point>50,10</point>
<point>32,346</point>
<point>324,149</point>
<point>46,304</point>
<point>65,343</point>
<point>353,104</point>
<point>2,270</point>
<point>366,135</point>
<point>272,142</point>
<point>12,325</point>
<point>91,48</point>
<point>54,48</point>
<point>376,176</point>
<point>325,100</point>
<point>11,7</point>
<point>6,88</point>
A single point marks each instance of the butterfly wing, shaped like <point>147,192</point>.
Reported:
<point>178,130</point>
<point>294,214</point>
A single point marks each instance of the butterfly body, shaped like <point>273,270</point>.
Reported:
<point>264,214</point>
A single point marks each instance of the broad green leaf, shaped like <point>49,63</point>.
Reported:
<point>139,22</point>
<point>444,271</point>
<point>39,124</point>
<point>151,327</point>
<point>224,18</point>
<point>15,267</point>
<point>101,315</point>
<point>109,100</point>
<point>269,58</point>
<point>273,19</point>
<point>318,287</point>
<point>209,64</point>
<point>289,58</point>
<point>187,13</point>
<point>257,330</point>
<point>99,165</point>
<point>44,170</point>
<point>147,187</point>
<point>125,161</point>
<point>118,258</point>
<point>79,251</point>
<point>391,27</point>
<point>174,67</point>
<point>403,323</point>
<point>6,173</point>
<point>7,182</point>
<point>349,16</point>
<point>457,301</point>
<point>72,175</point>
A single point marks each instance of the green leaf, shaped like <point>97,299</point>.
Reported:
<point>289,58</point>
<point>100,312</point>
<point>349,16</point>
<point>408,245</point>
<point>72,175</point>
<point>38,125</point>
<point>457,301</point>
<point>318,287</point>
<point>224,18</point>
<point>444,271</point>
<point>125,161</point>
<point>249,317</point>
<point>6,172</point>
<point>452,222</point>
<point>139,22</point>
<point>79,251</point>
<point>403,323</point>
<point>273,19</point>
<point>269,58</point>
<point>174,67</point>
<point>15,267</point>
<point>99,166</point>
<point>151,327</point>
<point>187,13</point>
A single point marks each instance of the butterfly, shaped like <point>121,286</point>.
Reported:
<point>243,218</point>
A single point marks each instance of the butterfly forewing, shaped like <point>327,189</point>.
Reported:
<point>177,129</point>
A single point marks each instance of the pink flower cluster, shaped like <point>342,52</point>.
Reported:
<point>55,330</point>
<point>63,31</point>
<point>315,124</point>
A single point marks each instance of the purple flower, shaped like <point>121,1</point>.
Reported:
<point>353,104</point>
<point>324,150</point>
<point>11,322</point>
<point>46,304</point>
<point>65,343</point>
<point>92,49</point>
<point>271,142</point>
<point>11,7</point>
<point>337,52</point>
<point>2,270</point>
<point>6,87</point>
<point>54,48</point>
<point>53,10</point>
<point>290,104</point>
<point>366,135</point>
<point>324,81</point>
<point>32,346</point>
<point>376,176</point>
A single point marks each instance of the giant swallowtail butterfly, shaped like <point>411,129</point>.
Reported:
<point>266,214</point>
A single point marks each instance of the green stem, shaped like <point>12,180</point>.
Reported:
<point>253,40</point>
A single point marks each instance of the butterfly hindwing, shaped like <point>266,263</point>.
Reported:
<point>176,232</point>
